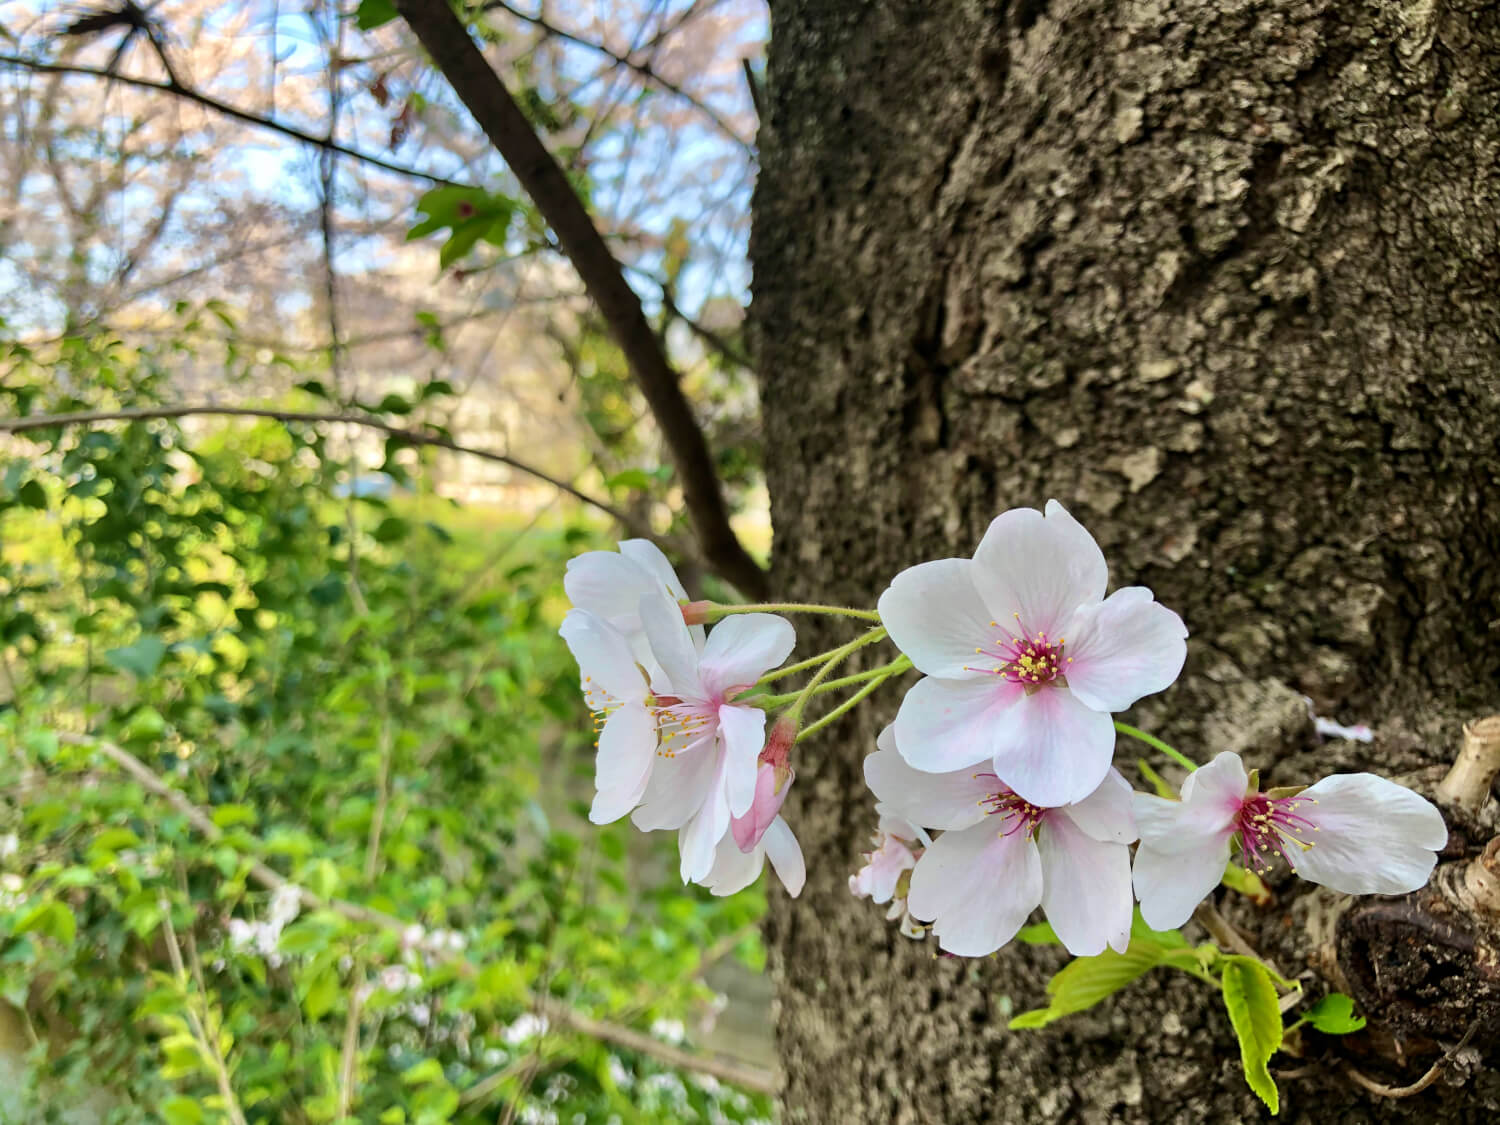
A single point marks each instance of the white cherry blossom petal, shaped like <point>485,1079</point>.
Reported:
<point>700,836</point>
<point>1107,814</point>
<point>677,789</point>
<point>742,648</point>
<point>622,766</point>
<point>935,616</point>
<point>733,870</point>
<point>781,848</point>
<point>932,800</point>
<point>1374,837</point>
<point>648,556</point>
<point>607,585</point>
<point>1086,889</point>
<point>1042,567</point>
<point>1170,885</point>
<point>1050,748</point>
<point>977,887</point>
<point>1123,648</point>
<point>744,732</point>
<point>672,647</point>
<point>603,655</point>
<point>946,725</point>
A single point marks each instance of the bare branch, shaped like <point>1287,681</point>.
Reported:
<point>645,70</point>
<point>415,437</point>
<point>743,1075</point>
<point>447,40</point>
<point>187,93</point>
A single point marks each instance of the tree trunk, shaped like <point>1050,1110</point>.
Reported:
<point>1223,276</point>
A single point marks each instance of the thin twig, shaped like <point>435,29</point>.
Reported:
<point>415,437</point>
<point>209,1043</point>
<point>443,33</point>
<point>198,98</point>
<point>349,1054</point>
<point>645,70</point>
<point>1384,1091</point>
<point>744,1075</point>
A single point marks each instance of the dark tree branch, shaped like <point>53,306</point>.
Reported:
<point>447,40</point>
<point>415,437</point>
<point>645,70</point>
<point>187,93</point>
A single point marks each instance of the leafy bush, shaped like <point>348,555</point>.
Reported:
<point>342,694</point>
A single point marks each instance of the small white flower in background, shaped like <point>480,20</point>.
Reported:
<point>705,770</point>
<point>12,888</point>
<point>1354,833</point>
<point>669,1031</point>
<point>526,1026</point>
<point>610,586</point>
<point>1025,658</point>
<point>286,902</point>
<point>1000,857</point>
<point>1331,728</point>
<point>10,843</point>
<point>619,1074</point>
<point>733,870</point>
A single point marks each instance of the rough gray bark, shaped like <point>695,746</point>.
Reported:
<point>1224,277</point>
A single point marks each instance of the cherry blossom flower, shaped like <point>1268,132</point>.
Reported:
<point>1356,833</point>
<point>1001,856</point>
<point>897,845</point>
<point>706,764</point>
<point>626,716</point>
<point>773,781</point>
<point>733,870</point>
<point>1025,658</point>
<point>610,585</point>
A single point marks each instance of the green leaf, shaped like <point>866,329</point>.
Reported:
<point>428,1070</point>
<point>392,529</point>
<point>633,479</point>
<point>1250,997</point>
<point>1040,934</point>
<point>141,659</point>
<point>227,816</point>
<point>1334,1015</point>
<point>1085,981</point>
<point>51,919</point>
<point>374,13</point>
<point>33,495</point>
<point>321,994</point>
<point>178,1110</point>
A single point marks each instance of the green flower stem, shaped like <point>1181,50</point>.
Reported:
<point>900,664</point>
<point>720,611</point>
<point>1151,740</point>
<point>845,706</point>
<point>838,656</point>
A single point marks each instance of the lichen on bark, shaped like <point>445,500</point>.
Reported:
<point>1224,277</point>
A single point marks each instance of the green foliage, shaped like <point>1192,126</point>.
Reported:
<point>470,215</point>
<point>1334,1015</point>
<point>1085,981</point>
<point>367,696</point>
<point>1250,998</point>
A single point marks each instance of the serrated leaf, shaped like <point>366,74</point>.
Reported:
<point>1250,998</point>
<point>1334,1015</point>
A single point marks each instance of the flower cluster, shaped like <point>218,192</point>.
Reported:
<point>1004,747</point>
<point>678,748</point>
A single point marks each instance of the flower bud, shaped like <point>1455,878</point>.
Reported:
<point>773,781</point>
<point>697,613</point>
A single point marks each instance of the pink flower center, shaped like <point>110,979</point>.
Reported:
<point>1267,825</point>
<point>1016,815</point>
<point>1032,660</point>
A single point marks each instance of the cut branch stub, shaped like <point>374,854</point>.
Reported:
<point>1468,783</point>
